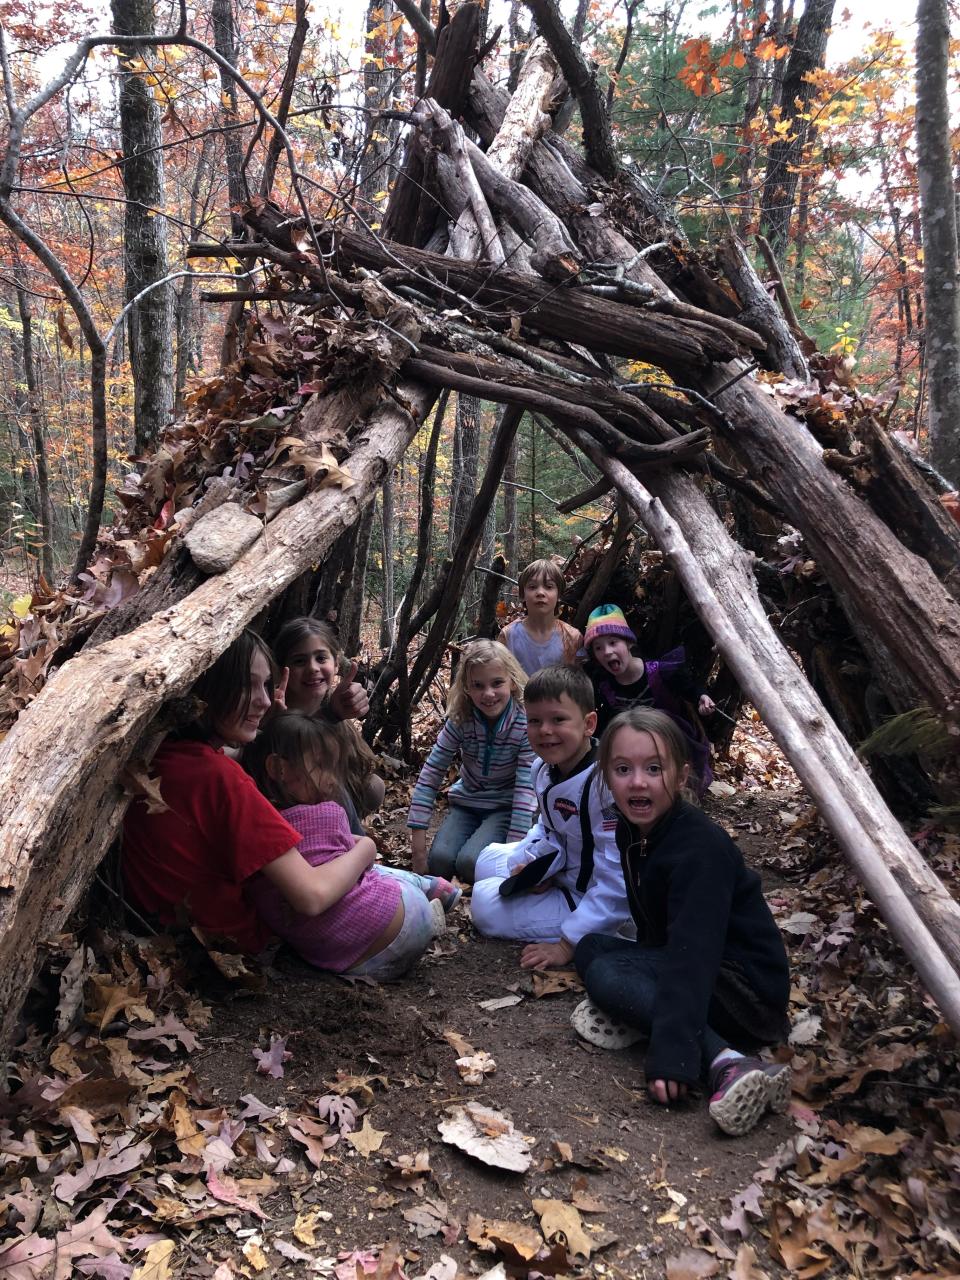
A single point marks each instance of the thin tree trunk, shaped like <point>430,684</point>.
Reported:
<point>783,161</point>
<point>150,321</point>
<point>465,552</point>
<point>941,277</point>
<point>224,40</point>
<point>351,610</point>
<point>43,502</point>
<point>185,297</point>
<point>466,453</point>
<point>387,522</point>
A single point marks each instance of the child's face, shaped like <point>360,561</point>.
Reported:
<point>313,670</point>
<point>240,726</point>
<point>612,653</point>
<point>559,731</point>
<point>488,688</point>
<point>540,597</point>
<point>642,776</point>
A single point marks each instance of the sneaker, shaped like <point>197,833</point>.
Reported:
<point>743,1089</point>
<point>598,1028</point>
<point>438,917</point>
<point>447,894</point>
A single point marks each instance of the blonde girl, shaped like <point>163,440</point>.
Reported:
<point>492,800</point>
<point>381,921</point>
<point>707,977</point>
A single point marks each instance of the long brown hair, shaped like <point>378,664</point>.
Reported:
<point>225,687</point>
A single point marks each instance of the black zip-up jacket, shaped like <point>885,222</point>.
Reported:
<point>691,893</point>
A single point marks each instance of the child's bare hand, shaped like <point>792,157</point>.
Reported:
<point>349,700</point>
<point>706,706</point>
<point>280,691</point>
<point>667,1091</point>
<point>546,955</point>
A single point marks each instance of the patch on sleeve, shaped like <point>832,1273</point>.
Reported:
<point>609,817</point>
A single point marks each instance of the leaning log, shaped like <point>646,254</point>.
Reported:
<point>60,763</point>
<point>719,583</point>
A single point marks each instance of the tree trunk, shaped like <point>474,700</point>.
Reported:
<point>783,160</point>
<point>354,597</point>
<point>466,453</point>
<point>185,297</point>
<point>43,501</point>
<point>224,40</point>
<point>465,553</point>
<point>941,278</point>
<point>387,522</point>
<point>150,321</point>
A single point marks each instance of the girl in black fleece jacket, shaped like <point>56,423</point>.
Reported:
<point>707,976</point>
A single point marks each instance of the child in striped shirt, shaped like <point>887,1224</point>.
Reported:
<point>492,800</point>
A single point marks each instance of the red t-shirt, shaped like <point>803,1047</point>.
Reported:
<point>218,831</point>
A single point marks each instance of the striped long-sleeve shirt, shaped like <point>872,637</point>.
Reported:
<point>495,762</point>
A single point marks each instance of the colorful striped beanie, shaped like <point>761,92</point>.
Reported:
<point>606,620</point>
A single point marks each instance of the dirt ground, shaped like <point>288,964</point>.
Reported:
<point>167,1121</point>
<point>594,1136</point>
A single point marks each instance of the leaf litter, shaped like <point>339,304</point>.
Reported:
<point>120,1162</point>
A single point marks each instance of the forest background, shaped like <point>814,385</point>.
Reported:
<point>706,102</point>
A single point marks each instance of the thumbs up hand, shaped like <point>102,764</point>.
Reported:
<point>349,700</point>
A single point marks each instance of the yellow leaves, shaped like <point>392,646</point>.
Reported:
<point>367,1140</point>
<point>156,1262</point>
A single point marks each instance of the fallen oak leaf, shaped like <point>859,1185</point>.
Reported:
<point>137,783</point>
<point>519,1242</point>
<point>270,1061</point>
<point>554,981</point>
<point>463,1047</point>
<point>156,1262</point>
<point>692,1264</point>
<point>366,1140</point>
<point>340,1110</point>
<point>122,1155</point>
<point>746,1267</point>
<point>226,1190</point>
<point>562,1221</point>
<point>168,1032</point>
<point>409,1172</point>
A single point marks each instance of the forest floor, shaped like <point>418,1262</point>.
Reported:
<point>182,1122</point>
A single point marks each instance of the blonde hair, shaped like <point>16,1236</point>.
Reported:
<point>477,654</point>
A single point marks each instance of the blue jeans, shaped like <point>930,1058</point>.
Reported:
<point>622,977</point>
<point>462,837</point>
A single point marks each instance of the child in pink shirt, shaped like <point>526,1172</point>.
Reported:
<point>387,919</point>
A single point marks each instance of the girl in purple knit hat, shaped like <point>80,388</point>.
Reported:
<point>624,679</point>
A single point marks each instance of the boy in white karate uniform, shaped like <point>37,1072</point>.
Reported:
<point>564,878</point>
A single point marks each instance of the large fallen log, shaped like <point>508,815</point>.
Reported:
<point>60,763</point>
